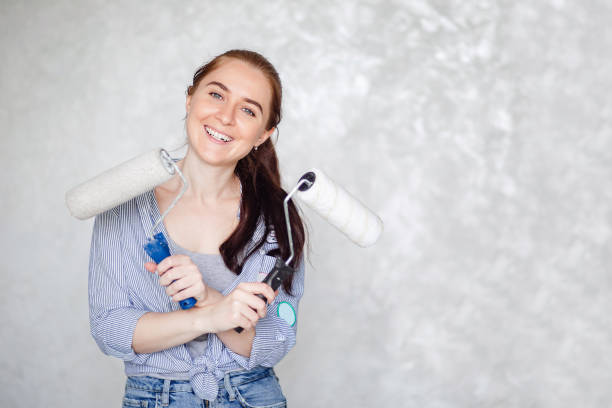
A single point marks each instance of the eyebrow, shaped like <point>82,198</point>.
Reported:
<point>248,100</point>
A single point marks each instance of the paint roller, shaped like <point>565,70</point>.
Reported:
<point>124,182</point>
<point>338,207</point>
<point>141,174</point>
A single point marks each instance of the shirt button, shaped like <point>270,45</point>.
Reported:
<point>262,251</point>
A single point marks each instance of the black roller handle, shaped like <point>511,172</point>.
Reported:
<point>276,276</point>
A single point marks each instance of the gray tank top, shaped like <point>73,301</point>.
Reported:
<point>215,274</point>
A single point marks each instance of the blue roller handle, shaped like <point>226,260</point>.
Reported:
<point>157,248</point>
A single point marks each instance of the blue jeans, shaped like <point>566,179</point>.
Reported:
<point>257,388</point>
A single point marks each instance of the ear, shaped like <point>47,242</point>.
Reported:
<point>188,103</point>
<point>265,136</point>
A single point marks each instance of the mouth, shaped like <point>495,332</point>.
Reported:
<point>218,136</point>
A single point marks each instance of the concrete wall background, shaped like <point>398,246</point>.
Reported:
<point>479,130</point>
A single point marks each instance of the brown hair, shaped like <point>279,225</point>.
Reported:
<point>262,194</point>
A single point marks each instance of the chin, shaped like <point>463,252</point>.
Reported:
<point>212,155</point>
<point>216,160</point>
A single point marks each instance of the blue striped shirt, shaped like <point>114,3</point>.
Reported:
<point>121,290</point>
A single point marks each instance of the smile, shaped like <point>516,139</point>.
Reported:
<point>218,135</point>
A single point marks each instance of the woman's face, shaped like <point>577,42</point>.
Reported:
<point>227,113</point>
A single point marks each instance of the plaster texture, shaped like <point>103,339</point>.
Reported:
<point>480,131</point>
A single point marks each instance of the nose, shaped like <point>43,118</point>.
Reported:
<point>225,114</point>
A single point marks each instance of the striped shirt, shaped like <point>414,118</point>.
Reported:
<point>215,275</point>
<point>121,290</point>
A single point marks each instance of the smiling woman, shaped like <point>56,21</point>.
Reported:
<point>226,117</point>
<point>224,235</point>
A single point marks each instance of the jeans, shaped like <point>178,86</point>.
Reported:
<point>257,388</point>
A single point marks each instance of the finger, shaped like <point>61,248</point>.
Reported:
<point>265,290</point>
<point>269,293</point>
<point>171,275</point>
<point>180,271</point>
<point>252,287</point>
<point>236,317</point>
<point>243,322</point>
<point>172,262</point>
<point>150,266</point>
<point>179,285</point>
<point>258,287</point>
<point>251,316</point>
<point>195,291</point>
<point>248,298</point>
<point>257,304</point>
<point>274,295</point>
<point>181,295</point>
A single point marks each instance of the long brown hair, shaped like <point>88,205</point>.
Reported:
<point>262,194</point>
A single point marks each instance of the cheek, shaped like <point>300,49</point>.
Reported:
<point>193,128</point>
<point>256,135</point>
<point>192,124</point>
<point>250,130</point>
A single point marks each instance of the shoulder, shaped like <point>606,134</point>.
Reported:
<point>128,213</point>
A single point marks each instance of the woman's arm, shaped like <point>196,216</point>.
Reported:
<point>213,313</point>
<point>112,315</point>
<point>239,343</point>
<point>274,335</point>
<point>161,331</point>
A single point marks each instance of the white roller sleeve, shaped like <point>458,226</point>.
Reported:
<point>338,207</point>
<point>117,185</point>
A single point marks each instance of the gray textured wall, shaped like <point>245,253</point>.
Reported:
<point>479,130</point>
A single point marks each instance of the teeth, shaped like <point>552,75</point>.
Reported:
<point>218,136</point>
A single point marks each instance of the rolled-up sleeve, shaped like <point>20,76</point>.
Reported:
<point>111,314</point>
<point>275,334</point>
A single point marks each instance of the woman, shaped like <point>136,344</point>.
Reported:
<point>224,235</point>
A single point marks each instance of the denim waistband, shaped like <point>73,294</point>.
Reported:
<point>231,378</point>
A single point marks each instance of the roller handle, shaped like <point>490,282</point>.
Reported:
<point>274,279</point>
<point>157,248</point>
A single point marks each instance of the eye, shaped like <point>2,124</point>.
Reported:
<point>215,95</point>
<point>248,112</point>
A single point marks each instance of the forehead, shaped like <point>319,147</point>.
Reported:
<point>242,79</point>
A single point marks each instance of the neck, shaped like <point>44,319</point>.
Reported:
<point>207,183</point>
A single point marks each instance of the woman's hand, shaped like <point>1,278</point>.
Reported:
<point>181,278</point>
<point>241,308</point>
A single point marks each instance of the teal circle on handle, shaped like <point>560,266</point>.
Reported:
<point>285,311</point>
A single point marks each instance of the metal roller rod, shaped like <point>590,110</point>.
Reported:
<point>286,209</point>
<point>171,167</point>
